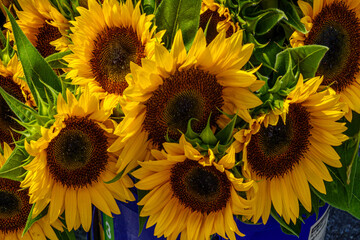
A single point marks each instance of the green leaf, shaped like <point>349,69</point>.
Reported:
<point>178,14</point>
<point>23,112</point>
<point>148,6</point>
<point>38,73</point>
<point>2,39</point>
<point>316,202</point>
<point>30,221</point>
<point>341,192</point>
<point>13,167</point>
<point>266,21</point>
<point>65,235</point>
<point>266,56</point>
<point>306,58</point>
<point>353,127</point>
<point>286,81</point>
<point>230,4</point>
<point>354,199</point>
<point>293,18</point>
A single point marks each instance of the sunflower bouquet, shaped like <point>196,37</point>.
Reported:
<point>206,113</point>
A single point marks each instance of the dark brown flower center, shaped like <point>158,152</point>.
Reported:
<point>7,123</point>
<point>9,204</point>
<point>208,21</point>
<point>78,155</point>
<point>14,206</point>
<point>47,34</point>
<point>203,189</point>
<point>188,94</point>
<point>114,49</point>
<point>275,150</point>
<point>338,28</point>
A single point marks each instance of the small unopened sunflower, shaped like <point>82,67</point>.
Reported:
<point>71,163</point>
<point>216,18</point>
<point>336,25</point>
<point>15,209</point>
<point>163,95</point>
<point>191,194</point>
<point>11,82</point>
<point>286,150</point>
<point>105,40</point>
<point>43,25</point>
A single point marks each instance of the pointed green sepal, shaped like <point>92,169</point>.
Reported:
<point>167,138</point>
<point>32,129</point>
<point>194,141</point>
<point>117,177</point>
<point>56,60</point>
<point>291,229</point>
<point>118,114</point>
<point>225,134</point>
<point>7,52</point>
<point>13,167</point>
<point>189,132</point>
<point>52,102</point>
<point>66,8</point>
<point>207,134</point>
<point>222,148</point>
<point>22,111</point>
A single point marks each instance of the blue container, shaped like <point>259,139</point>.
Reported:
<point>125,227</point>
<point>311,229</point>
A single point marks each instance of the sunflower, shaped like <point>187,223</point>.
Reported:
<point>284,151</point>
<point>215,18</point>
<point>15,209</point>
<point>336,25</point>
<point>105,40</point>
<point>11,82</point>
<point>191,194</point>
<point>163,95</point>
<point>71,163</point>
<point>43,25</point>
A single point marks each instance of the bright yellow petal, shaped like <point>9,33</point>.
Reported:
<point>301,187</point>
<point>70,207</point>
<point>56,205</point>
<point>84,207</point>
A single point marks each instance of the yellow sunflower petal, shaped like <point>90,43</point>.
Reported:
<point>84,207</point>
<point>306,8</point>
<point>58,195</point>
<point>71,207</point>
